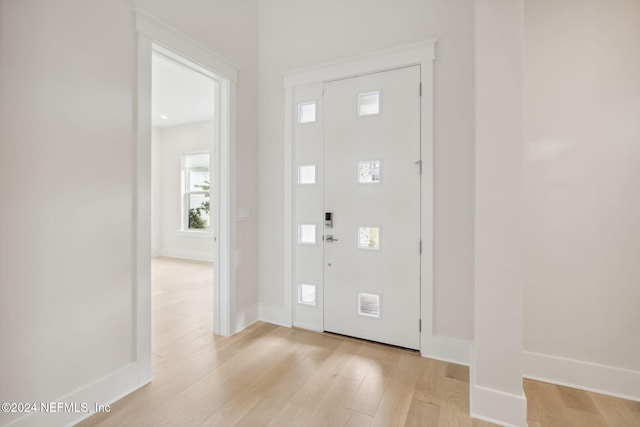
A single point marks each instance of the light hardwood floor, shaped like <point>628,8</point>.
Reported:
<point>268,375</point>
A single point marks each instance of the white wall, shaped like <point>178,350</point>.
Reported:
<point>65,251</point>
<point>298,33</point>
<point>496,369</point>
<point>171,143</point>
<point>581,175</point>
<point>67,79</point>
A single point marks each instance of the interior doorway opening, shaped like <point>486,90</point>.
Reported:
<point>156,37</point>
<point>184,130</point>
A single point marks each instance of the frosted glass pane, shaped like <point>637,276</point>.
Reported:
<point>369,305</point>
<point>307,234</point>
<point>369,237</point>
<point>307,294</point>
<point>307,174</point>
<point>369,171</point>
<point>368,103</point>
<point>307,112</point>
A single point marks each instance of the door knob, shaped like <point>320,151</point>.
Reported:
<point>330,238</point>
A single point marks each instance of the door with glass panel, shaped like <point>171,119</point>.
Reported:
<point>372,207</point>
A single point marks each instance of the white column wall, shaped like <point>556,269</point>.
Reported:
<point>496,370</point>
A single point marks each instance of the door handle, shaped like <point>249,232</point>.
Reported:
<point>329,238</point>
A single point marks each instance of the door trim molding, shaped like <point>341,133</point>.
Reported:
<point>422,54</point>
<point>413,54</point>
<point>155,35</point>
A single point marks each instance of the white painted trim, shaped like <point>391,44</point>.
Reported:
<point>403,56</point>
<point>224,273</point>
<point>289,226</point>
<point>501,408</point>
<point>422,54</point>
<point>105,390</point>
<point>178,43</point>
<point>142,204</point>
<point>617,382</point>
<point>431,345</point>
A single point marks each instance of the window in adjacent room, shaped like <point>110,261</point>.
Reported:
<point>196,196</point>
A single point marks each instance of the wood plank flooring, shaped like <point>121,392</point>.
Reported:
<point>268,375</point>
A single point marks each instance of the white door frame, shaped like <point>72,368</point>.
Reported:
<point>154,35</point>
<point>422,54</point>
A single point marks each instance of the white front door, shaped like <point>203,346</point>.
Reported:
<point>372,190</point>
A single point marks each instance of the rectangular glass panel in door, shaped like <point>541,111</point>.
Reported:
<point>372,264</point>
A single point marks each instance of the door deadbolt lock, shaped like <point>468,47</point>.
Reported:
<point>328,219</point>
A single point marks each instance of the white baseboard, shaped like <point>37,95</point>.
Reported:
<point>246,317</point>
<point>184,254</point>
<point>103,391</point>
<point>447,349</point>
<point>274,314</point>
<point>618,382</point>
<point>498,407</point>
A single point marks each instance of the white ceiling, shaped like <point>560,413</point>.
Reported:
<point>179,93</point>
